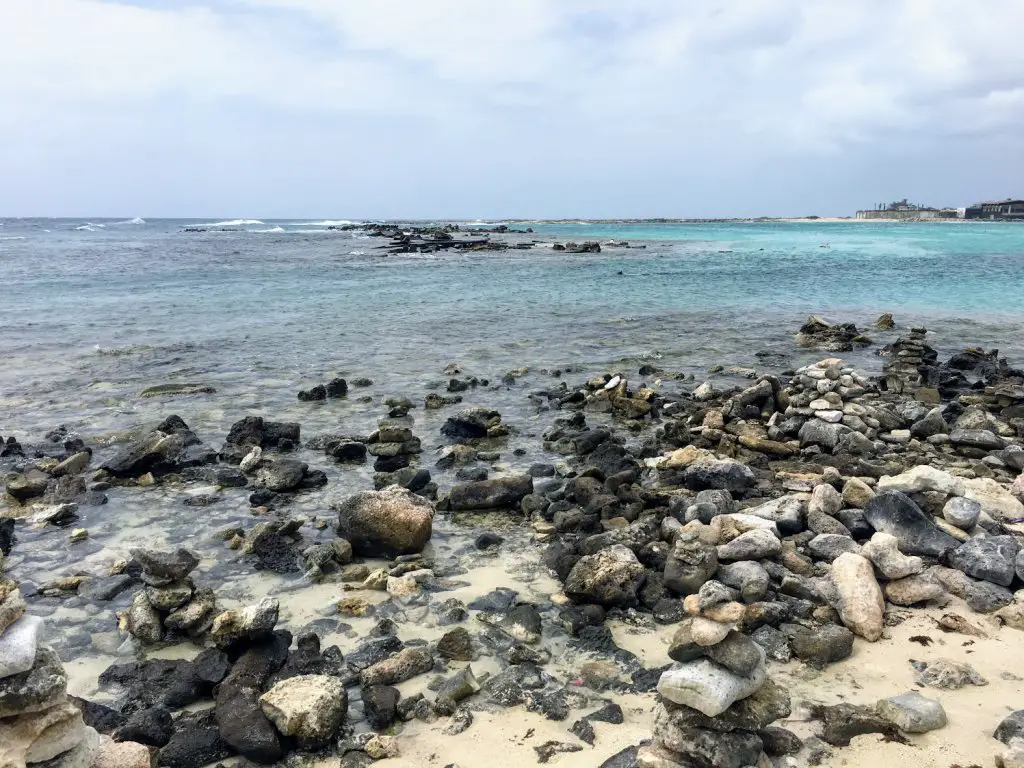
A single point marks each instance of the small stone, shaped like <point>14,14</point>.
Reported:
<point>861,605</point>
<point>77,535</point>
<point>962,512</point>
<point>912,712</point>
<point>883,551</point>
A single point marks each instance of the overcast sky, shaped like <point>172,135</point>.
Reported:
<point>490,108</point>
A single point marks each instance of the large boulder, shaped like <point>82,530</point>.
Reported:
<point>471,423</point>
<point>894,513</point>
<point>385,523</point>
<point>41,687</point>
<point>243,725</point>
<point>309,708</point>
<point>611,578</point>
<point>253,622</point>
<point>496,493</point>
<point>822,434</point>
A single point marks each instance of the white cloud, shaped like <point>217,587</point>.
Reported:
<point>570,78</point>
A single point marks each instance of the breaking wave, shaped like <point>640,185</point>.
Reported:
<point>266,231</point>
<point>90,227</point>
<point>235,223</point>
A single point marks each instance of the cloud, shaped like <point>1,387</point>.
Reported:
<point>509,94</point>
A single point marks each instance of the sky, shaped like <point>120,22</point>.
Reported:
<point>506,108</point>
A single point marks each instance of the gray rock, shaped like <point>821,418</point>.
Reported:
<point>165,566</point>
<point>282,475</point>
<point>820,646</point>
<point>707,687</point>
<point>737,653</point>
<point>41,687</point>
<point>986,597</point>
<point>248,624</point>
<point>962,512</point>
<point>244,727</point>
<point>829,546</point>
<point>912,712</point>
<point>822,434</point>
<point>1012,727</point>
<point>775,643</point>
<point>722,474</point>
<point>767,704</point>
<point>310,708</point>
<point>977,438</point>
<point>989,559</point>
<point>749,577</point>
<point>931,424</point>
<point>947,674</point>
<point>752,545</point>
<point>404,665</point>
<point>893,512</point>
<point>19,644</point>
<point>690,564</point>
<point>142,620</point>
<point>496,493</point>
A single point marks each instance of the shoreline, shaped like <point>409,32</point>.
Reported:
<point>588,466</point>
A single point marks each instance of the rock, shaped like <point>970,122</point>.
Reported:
<point>883,551</point>
<point>856,493</point>
<point>914,589</point>
<point>456,645</point>
<point>1012,727</point>
<point>931,424</point>
<point>309,708</point>
<point>152,727</point>
<point>18,646</point>
<point>250,623</point>
<point>990,559</point>
<point>169,598</point>
<point>379,747</point>
<point>82,755</point>
<point>912,712</point>
<point>779,742</point>
<point>12,607</point>
<point>41,687</point>
<point>704,747</point>
<point>549,749</point>
<point>982,439</point>
<point>40,736</point>
<point>962,512</point>
<point>610,578</point>
<point>281,475</point>
<point>861,605</point>
<point>749,577</point>
<point>385,523</point>
<point>707,687</point>
<point>124,754</point>
<point>922,478</point>
<point>196,617</point>
<point>404,665</point>
<point>690,564</point>
<point>752,545</point>
<point>26,486</point>
<point>829,546</point>
<point>724,474</point>
<point>894,513</point>
<point>737,653</point>
<point>843,722</point>
<point>251,461</point>
<point>775,644</point>
<point>767,704</point>
<point>169,447</point>
<point>986,597</point>
<point>380,705</point>
<point>166,567</point>
<point>243,725</point>
<point>822,434</point>
<point>825,499</point>
<point>471,423</point>
<point>196,742</point>
<point>822,645</point>
<point>496,493</point>
<point>947,674</point>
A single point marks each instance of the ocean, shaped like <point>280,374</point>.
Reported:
<point>94,311</point>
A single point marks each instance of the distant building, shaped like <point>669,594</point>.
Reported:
<point>998,210</point>
<point>901,210</point>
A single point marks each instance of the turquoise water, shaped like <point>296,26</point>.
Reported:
<point>117,305</point>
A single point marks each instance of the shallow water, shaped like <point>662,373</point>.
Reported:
<point>92,315</point>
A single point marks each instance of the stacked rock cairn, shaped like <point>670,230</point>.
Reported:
<point>39,726</point>
<point>169,602</point>
<point>717,700</point>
